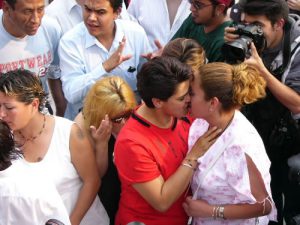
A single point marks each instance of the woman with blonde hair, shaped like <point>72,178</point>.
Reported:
<point>53,145</point>
<point>106,107</point>
<point>231,184</point>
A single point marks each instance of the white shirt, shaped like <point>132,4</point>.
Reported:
<point>27,198</point>
<point>81,57</point>
<point>67,13</point>
<point>57,166</point>
<point>37,53</point>
<point>227,181</point>
<point>153,16</point>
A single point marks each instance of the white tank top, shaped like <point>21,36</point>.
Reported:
<point>58,166</point>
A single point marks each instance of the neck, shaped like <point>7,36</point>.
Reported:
<point>106,39</point>
<point>221,120</point>
<point>215,23</point>
<point>279,38</point>
<point>155,116</point>
<point>34,127</point>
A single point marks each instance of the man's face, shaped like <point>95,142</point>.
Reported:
<point>202,11</point>
<point>177,105</point>
<point>99,16</point>
<point>272,33</point>
<point>25,18</point>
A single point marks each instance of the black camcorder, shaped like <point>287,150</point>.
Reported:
<point>239,49</point>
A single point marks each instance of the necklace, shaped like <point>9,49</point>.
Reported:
<point>36,136</point>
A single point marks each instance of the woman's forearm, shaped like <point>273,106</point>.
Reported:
<point>85,199</point>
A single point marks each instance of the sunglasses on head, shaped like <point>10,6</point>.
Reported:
<point>198,5</point>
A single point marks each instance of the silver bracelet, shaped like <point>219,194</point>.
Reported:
<point>188,165</point>
<point>221,212</point>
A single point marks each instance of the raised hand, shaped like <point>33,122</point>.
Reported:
<point>102,134</point>
<point>116,58</point>
<point>255,60</point>
<point>204,142</point>
<point>156,53</point>
<point>294,4</point>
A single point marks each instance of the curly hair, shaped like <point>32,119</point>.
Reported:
<point>233,85</point>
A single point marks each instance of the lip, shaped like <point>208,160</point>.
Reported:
<point>92,26</point>
<point>34,29</point>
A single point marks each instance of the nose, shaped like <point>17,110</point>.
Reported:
<point>92,16</point>
<point>187,98</point>
<point>35,17</point>
<point>2,113</point>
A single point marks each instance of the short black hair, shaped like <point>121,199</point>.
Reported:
<point>116,4</point>
<point>12,3</point>
<point>8,151</point>
<point>159,78</point>
<point>272,9</point>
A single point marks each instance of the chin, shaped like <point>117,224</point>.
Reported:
<point>31,33</point>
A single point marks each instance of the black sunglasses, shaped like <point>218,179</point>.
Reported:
<point>198,5</point>
<point>119,119</point>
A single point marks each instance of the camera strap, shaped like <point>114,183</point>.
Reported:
<point>287,52</point>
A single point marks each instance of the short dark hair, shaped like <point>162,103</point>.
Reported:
<point>116,4</point>
<point>23,85</point>
<point>8,151</point>
<point>12,3</point>
<point>159,77</point>
<point>272,9</point>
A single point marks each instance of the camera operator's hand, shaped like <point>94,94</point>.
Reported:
<point>229,34</point>
<point>256,61</point>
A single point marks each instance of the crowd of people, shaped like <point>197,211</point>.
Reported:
<point>149,112</point>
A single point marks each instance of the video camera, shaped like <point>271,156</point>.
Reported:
<point>239,49</point>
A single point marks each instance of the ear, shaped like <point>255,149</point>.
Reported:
<point>118,12</point>
<point>157,103</point>
<point>220,9</point>
<point>279,24</point>
<point>214,104</point>
<point>35,104</point>
<point>5,7</point>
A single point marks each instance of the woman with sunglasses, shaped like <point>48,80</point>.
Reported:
<point>106,107</point>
